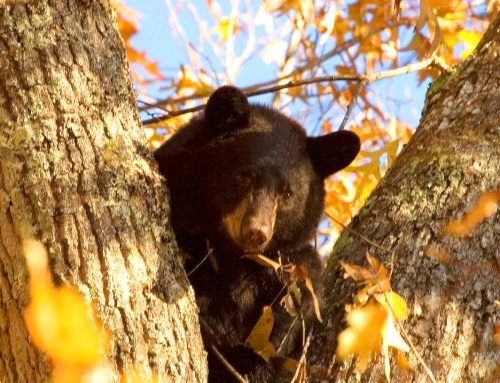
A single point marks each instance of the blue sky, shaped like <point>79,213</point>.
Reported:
<point>156,38</point>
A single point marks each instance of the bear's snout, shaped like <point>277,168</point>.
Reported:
<point>256,234</point>
<point>251,223</point>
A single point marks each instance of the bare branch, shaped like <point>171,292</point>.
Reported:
<point>366,79</point>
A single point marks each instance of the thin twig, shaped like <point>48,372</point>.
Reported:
<point>302,360</point>
<point>200,263</point>
<point>228,365</point>
<point>375,244</point>
<point>361,86</point>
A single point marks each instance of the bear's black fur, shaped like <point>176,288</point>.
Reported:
<point>245,178</point>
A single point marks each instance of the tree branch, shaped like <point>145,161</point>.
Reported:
<point>363,79</point>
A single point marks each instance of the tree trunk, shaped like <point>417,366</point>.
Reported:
<point>452,160</point>
<point>77,174</point>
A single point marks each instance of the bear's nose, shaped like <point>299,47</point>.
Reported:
<point>256,234</point>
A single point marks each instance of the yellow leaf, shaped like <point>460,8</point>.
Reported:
<point>227,27</point>
<point>393,303</point>
<point>393,339</point>
<point>363,337</point>
<point>258,339</point>
<point>327,24</point>
<point>470,39</point>
<point>372,169</point>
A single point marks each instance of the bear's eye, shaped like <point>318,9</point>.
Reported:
<point>245,178</point>
<point>287,194</point>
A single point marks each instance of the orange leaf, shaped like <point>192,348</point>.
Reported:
<point>485,208</point>
<point>357,273</point>
<point>58,318</point>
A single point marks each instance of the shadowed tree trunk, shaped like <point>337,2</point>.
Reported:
<point>452,160</point>
<point>76,173</point>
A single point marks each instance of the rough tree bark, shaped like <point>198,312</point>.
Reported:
<point>76,173</point>
<point>452,160</point>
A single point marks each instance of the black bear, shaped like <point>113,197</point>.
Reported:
<point>244,178</point>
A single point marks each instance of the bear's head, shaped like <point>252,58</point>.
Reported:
<point>259,180</point>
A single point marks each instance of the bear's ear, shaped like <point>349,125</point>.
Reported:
<point>333,152</point>
<point>227,109</point>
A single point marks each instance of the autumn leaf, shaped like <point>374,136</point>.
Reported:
<point>470,39</point>
<point>288,301</point>
<point>363,337</point>
<point>393,303</point>
<point>378,316</point>
<point>375,278</point>
<point>484,208</point>
<point>395,307</point>
<point>358,273</point>
<point>372,169</point>
<point>227,27</point>
<point>391,338</point>
<point>129,26</point>
<point>258,339</point>
<point>263,260</point>
<point>299,273</point>
<point>60,322</point>
<point>428,17</point>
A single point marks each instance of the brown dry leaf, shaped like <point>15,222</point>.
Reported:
<point>263,260</point>
<point>484,208</point>
<point>378,268</point>
<point>356,272</point>
<point>428,17</point>
<point>288,301</point>
<point>258,339</point>
<point>376,278</point>
<point>300,272</point>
